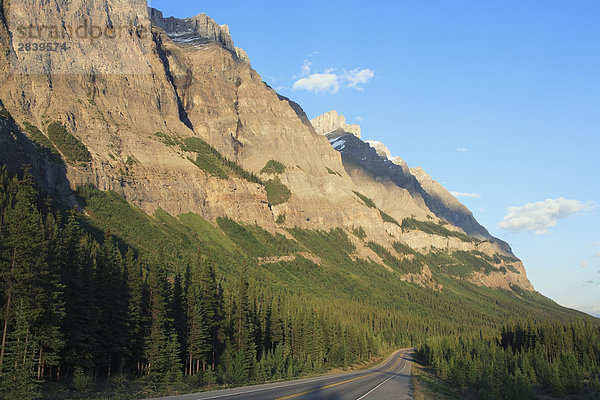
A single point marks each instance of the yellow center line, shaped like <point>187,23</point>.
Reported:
<point>292,396</point>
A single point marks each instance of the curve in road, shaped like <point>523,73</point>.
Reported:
<point>389,380</point>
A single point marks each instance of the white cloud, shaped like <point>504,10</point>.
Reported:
<point>329,81</point>
<point>358,77</point>
<point>318,83</point>
<point>583,264</point>
<point>360,119</point>
<point>539,217</point>
<point>595,244</point>
<point>462,149</point>
<point>462,194</point>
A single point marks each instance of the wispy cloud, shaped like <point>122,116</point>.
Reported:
<point>329,81</point>
<point>462,194</point>
<point>360,119</point>
<point>358,77</point>
<point>541,216</point>
<point>462,149</point>
<point>306,68</point>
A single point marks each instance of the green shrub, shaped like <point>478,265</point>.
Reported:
<point>359,233</point>
<point>321,243</point>
<point>277,192</point>
<point>210,160</point>
<point>131,160</point>
<point>467,262</point>
<point>368,202</point>
<point>255,241</point>
<point>42,142</point>
<point>333,172</point>
<point>4,112</point>
<point>434,229</point>
<point>169,141</point>
<point>81,381</point>
<point>512,268</point>
<point>402,248</point>
<point>388,218</point>
<point>70,147</point>
<point>273,167</point>
<point>280,219</point>
<point>413,266</point>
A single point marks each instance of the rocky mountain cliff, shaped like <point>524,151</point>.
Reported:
<point>169,114</point>
<point>332,121</point>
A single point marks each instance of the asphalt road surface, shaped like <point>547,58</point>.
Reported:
<point>389,380</point>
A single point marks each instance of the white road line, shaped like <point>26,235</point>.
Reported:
<point>375,388</point>
<point>276,387</point>
<point>382,383</point>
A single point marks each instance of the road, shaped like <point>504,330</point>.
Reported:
<point>389,380</point>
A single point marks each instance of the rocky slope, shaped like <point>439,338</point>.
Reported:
<point>137,98</point>
<point>375,160</point>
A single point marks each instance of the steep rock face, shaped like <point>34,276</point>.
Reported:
<point>332,121</point>
<point>116,110</point>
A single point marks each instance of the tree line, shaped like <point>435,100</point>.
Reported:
<point>522,359</point>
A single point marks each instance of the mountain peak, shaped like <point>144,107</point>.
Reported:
<point>331,121</point>
<point>196,30</point>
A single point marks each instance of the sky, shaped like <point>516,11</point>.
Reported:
<point>499,101</point>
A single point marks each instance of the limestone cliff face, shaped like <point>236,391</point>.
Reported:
<point>332,121</point>
<point>147,78</point>
<point>196,30</point>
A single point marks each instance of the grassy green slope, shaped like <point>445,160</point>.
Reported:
<point>360,287</point>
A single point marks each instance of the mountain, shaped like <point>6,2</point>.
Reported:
<point>175,153</point>
<point>151,150</point>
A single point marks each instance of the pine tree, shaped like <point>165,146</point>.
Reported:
<point>17,379</point>
<point>243,335</point>
<point>162,347</point>
<point>136,313</point>
<point>24,266</point>
<point>111,298</point>
<point>199,334</point>
<point>178,312</point>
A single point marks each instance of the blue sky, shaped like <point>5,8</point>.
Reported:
<point>497,99</point>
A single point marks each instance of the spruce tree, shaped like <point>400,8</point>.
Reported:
<point>18,379</point>
<point>136,317</point>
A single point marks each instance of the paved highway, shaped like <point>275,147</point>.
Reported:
<point>389,380</point>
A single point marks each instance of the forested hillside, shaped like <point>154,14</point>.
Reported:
<point>105,295</point>
<point>523,359</point>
